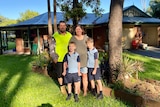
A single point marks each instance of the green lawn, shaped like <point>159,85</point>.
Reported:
<point>152,66</point>
<point>11,45</point>
<point>20,87</point>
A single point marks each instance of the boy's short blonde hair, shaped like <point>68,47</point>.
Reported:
<point>90,40</point>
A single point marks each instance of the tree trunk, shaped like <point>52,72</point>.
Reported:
<point>55,15</point>
<point>115,35</point>
<point>49,20</point>
<point>75,19</point>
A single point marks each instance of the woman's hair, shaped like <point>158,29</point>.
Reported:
<point>83,32</point>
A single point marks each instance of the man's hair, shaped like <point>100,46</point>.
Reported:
<point>61,22</point>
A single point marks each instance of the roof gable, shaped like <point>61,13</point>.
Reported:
<point>133,11</point>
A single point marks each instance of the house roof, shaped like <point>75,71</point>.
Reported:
<point>131,14</point>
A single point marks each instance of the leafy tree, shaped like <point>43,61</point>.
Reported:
<point>115,37</point>
<point>154,8</point>
<point>74,9</point>
<point>6,21</point>
<point>27,15</point>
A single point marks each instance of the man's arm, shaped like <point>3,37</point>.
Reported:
<point>53,55</point>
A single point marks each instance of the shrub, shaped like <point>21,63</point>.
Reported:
<point>129,68</point>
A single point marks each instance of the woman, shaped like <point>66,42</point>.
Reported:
<point>80,39</point>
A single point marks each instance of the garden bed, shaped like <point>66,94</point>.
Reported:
<point>135,100</point>
<point>140,93</point>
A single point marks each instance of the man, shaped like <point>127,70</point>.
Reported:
<point>62,38</point>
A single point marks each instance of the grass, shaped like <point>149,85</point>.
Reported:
<point>20,87</point>
<point>151,65</point>
<point>11,45</point>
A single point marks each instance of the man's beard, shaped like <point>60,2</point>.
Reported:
<point>63,31</point>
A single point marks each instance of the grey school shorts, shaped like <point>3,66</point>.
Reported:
<point>97,76</point>
<point>71,78</point>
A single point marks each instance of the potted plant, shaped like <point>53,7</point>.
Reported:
<point>41,62</point>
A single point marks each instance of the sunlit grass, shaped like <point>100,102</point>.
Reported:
<point>152,66</point>
<point>20,87</point>
<point>11,45</point>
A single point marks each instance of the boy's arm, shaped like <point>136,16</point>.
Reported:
<point>64,65</point>
<point>64,68</point>
<point>79,73</point>
<point>53,55</point>
<point>95,63</point>
<point>79,65</point>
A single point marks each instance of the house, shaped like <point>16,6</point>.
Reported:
<point>133,19</point>
<point>34,30</point>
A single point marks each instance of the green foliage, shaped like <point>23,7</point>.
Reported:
<point>129,67</point>
<point>94,5</point>
<point>151,65</point>
<point>28,14</point>
<point>103,56</point>
<point>118,85</point>
<point>75,10</point>
<point>41,60</point>
<point>78,12</point>
<point>5,21</point>
<point>154,8</point>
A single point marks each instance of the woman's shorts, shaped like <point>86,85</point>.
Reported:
<point>84,70</point>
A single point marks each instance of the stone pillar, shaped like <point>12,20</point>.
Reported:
<point>19,45</point>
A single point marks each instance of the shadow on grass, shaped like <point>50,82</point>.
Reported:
<point>12,66</point>
<point>52,72</point>
<point>45,105</point>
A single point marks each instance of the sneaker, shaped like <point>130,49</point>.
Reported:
<point>100,96</point>
<point>76,98</point>
<point>68,97</point>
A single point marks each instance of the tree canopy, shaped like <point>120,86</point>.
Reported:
<point>154,8</point>
<point>6,21</point>
<point>75,9</point>
<point>27,15</point>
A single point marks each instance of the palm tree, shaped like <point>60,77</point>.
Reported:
<point>49,19</point>
<point>115,35</point>
<point>55,16</point>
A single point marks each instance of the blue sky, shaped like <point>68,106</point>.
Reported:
<point>12,8</point>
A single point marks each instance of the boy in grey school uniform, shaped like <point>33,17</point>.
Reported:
<point>71,70</point>
<point>94,73</point>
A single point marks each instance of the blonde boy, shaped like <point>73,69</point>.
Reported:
<point>71,70</point>
<point>94,73</point>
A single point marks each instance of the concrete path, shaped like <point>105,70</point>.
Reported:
<point>150,52</point>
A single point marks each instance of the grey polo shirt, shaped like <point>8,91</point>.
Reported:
<point>92,55</point>
<point>72,61</point>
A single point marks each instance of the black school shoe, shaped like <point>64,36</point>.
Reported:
<point>76,98</point>
<point>68,97</point>
<point>100,96</point>
<point>93,92</point>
